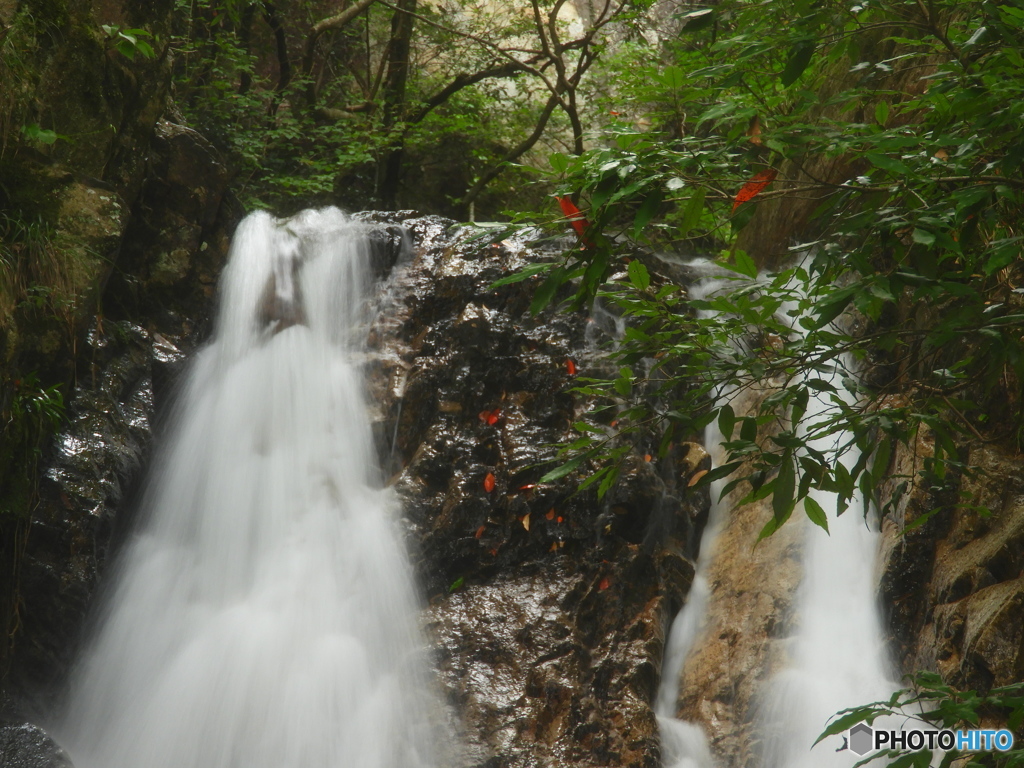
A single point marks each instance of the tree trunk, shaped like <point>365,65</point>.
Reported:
<point>389,172</point>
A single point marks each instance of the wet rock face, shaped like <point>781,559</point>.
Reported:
<point>27,746</point>
<point>954,587</point>
<point>548,609</point>
<point>750,622</point>
<point>125,369</point>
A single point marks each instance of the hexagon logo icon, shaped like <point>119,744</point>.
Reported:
<point>861,737</point>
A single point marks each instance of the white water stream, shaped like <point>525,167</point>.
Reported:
<point>263,615</point>
<point>837,657</point>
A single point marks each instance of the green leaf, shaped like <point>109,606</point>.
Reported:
<point>881,464</point>
<point>559,162</point>
<point>743,265</point>
<point>547,290</point>
<point>726,421</point>
<point>799,57</point>
<point>457,584</point>
<point>882,113</point>
<point>672,77</point>
<point>694,21</point>
<point>524,274</point>
<point>33,132</point>
<point>561,471</point>
<point>886,163</point>
<point>815,513</point>
<point>865,714</point>
<point>833,306</point>
<point>923,236</point>
<point>647,211</point>
<point>692,212</point>
<point>785,485</point>
<point>638,275</point>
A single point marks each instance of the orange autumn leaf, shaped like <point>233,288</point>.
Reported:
<point>576,218</point>
<point>490,417</point>
<point>560,518</point>
<point>489,482</point>
<point>605,583</point>
<point>752,188</point>
<point>696,478</point>
<point>570,366</point>
<point>480,531</point>
<point>551,514</point>
<point>647,457</point>
<point>754,131</point>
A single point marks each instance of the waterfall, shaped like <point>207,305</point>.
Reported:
<point>836,656</point>
<point>263,614</point>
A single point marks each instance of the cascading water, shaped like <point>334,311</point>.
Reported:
<point>836,658</point>
<point>263,616</point>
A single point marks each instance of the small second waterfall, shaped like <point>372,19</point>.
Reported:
<point>263,614</point>
<point>836,653</point>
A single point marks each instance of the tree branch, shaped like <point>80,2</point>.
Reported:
<point>462,80</point>
<point>524,146</point>
<point>333,22</point>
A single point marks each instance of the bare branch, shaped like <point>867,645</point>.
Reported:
<point>332,22</point>
<point>524,65</point>
<point>462,80</point>
<point>516,152</point>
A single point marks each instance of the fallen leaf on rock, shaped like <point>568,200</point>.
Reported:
<point>525,520</point>
<point>490,417</point>
<point>480,531</point>
<point>605,583</point>
<point>489,482</point>
<point>696,478</point>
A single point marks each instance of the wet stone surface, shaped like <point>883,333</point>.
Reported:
<point>548,608</point>
<point>24,745</point>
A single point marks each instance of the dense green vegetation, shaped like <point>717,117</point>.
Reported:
<point>871,157</point>
<point>378,104</point>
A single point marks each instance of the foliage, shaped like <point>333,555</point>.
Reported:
<point>345,108</point>
<point>936,705</point>
<point>33,413</point>
<point>894,125</point>
<point>129,42</point>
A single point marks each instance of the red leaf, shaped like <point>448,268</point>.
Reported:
<point>752,188</point>
<point>570,366</point>
<point>576,218</point>
<point>480,531</point>
<point>605,583</point>
<point>559,519</point>
<point>489,482</point>
<point>551,514</point>
<point>492,417</point>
